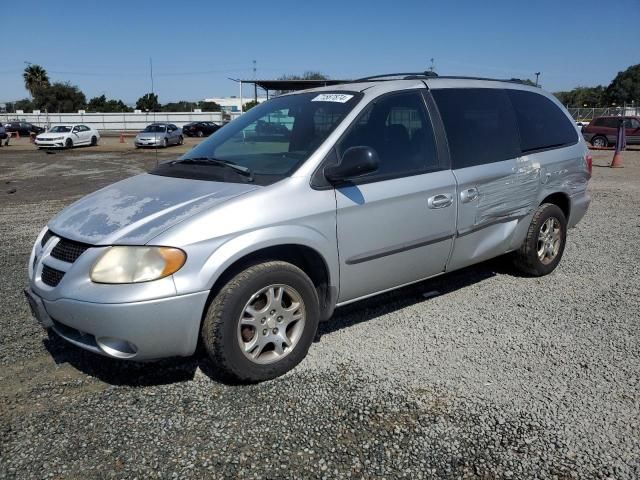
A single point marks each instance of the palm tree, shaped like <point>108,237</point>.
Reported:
<point>35,77</point>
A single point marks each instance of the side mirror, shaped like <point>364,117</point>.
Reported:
<point>356,162</point>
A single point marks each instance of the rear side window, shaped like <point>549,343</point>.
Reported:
<point>541,123</point>
<point>480,124</point>
<point>606,122</point>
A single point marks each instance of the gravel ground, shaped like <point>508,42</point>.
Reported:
<point>492,376</point>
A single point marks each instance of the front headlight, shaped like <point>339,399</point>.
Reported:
<point>137,264</point>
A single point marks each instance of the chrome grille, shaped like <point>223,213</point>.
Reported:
<point>51,276</point>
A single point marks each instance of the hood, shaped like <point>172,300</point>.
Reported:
<point>137,209</point>
<point>52,134</point>
<point>151,134</point>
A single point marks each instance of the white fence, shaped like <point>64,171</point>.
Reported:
<point>118,122</point>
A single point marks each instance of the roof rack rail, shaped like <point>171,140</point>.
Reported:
<point>463,77</point>
<point>429,74</point>
<point>404,75</point>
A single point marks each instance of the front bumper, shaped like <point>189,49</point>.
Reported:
<point>49,143</point>
<point>148,143</point>
<point>146,330</point>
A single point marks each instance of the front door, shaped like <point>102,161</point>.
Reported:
<point>395,226</point>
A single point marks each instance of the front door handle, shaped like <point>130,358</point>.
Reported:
<point>469,195</point>
<point>440,201</point>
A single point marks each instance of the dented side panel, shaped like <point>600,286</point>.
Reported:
<point>508,193</point>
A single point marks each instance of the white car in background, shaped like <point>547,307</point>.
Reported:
<point>67,136</point>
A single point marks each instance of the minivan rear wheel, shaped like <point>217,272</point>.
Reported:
<point>262,322</point>
<point>600,142</point>
<point>544,245</point>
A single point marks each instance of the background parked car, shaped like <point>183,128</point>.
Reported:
<point>23,128</point>
<point>68,136</point>
<point>159,135</point>
<point>602,131</point>
<point>200,129</point>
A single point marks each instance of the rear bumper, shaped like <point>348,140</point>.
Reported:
<point>579,206</point>
<point>146,330</point>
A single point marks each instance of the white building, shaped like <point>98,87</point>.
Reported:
<point>232,104</point>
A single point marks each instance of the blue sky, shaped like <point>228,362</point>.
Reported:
<point>104,47</point>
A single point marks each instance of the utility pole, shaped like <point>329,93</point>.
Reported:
<point>537,76</point>
<point>255,86</point>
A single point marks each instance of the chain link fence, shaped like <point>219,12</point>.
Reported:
<point>581,114</point>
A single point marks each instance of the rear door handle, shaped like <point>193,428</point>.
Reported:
<point>440,201</point>
<point>469,195</point>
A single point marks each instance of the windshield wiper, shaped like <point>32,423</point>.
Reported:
<point>246,171</point>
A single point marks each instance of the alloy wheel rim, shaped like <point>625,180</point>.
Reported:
<point>549,240</point>
<point>271,324</point>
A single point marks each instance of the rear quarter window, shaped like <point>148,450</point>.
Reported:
<point>542,124</point>
<point>480,125</point>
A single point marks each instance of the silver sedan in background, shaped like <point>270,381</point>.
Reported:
<point>159,135</point>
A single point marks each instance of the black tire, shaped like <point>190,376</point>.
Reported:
<point>600,141</point>
<point>220,334</point>
<point>526,259</point>
<point>199,133</point>
<point>68,143</point>
<point>181,140</point>
<point>165,143</point>
<point>94,141</point>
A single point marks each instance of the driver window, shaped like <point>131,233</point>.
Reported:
<point>399,130</point>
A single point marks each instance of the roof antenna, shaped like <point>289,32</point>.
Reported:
<point>432,67</point>
<point>153,104</point>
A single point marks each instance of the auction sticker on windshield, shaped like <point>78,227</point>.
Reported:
<point>333,97</point>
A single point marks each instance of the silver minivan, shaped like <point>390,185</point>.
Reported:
<point>310,201</point>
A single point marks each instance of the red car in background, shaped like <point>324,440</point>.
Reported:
<point>603,131</point>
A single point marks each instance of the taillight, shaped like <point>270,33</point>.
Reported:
<point>588,159</point>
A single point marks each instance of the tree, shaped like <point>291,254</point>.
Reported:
<point>209,107</point>
<point>59,97</point>
<point>101,104</point>
<point>25,105</point>
<point>526,81</point>
<point>35,77</point>
<point>308,75</point>
<point>581,96</point>
<point>249,105</point>
<point>181,106</point>
<point>148,102</point>
<point>625,87</point>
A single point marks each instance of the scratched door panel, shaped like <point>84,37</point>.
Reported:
<point>506,193</point>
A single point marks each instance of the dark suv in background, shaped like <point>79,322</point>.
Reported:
<point>23,128</point>
<point>603,131</point>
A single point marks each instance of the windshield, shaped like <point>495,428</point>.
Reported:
<point>60,129</point>
<point>273,138</point>
<point>155,128</point>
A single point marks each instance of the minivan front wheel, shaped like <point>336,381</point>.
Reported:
<point>262,322</point>
<point>544,245</point>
